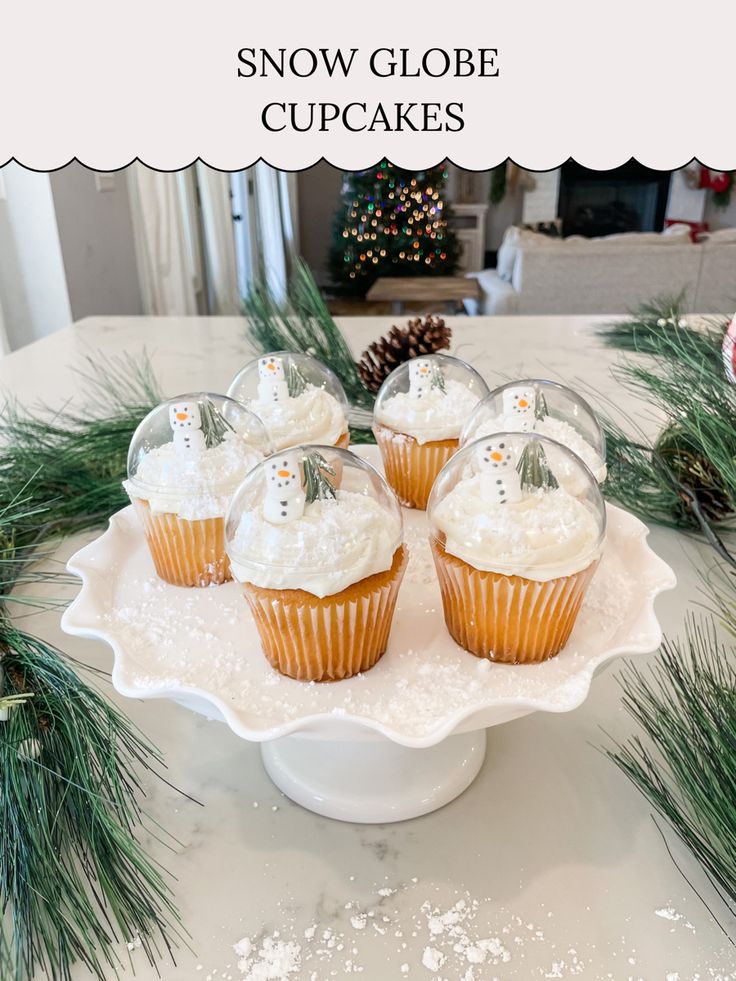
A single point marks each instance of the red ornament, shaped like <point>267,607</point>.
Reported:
<point>729,351</point>
<point>719,181</point>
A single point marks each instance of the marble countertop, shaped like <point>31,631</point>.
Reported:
<point>549,866</point>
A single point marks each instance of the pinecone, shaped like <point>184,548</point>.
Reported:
<point>418,338</point>
<point>689,465</point>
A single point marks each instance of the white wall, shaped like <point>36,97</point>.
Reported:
<point>33,291</point>
<point>720,217</point>
<point>500,215</point>
<point>96,235</point>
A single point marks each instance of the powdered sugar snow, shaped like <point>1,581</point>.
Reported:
<point>205,639</point>
<point>274,960</point>
<point>471,939</point>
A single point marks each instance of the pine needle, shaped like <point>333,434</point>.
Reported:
<point>305,325</point>
<point>80,453</point>
<point>681,376</point>
<point>685,763</point>
<point>317,474</point>
<point>73,873</point>
<point>74,878</point>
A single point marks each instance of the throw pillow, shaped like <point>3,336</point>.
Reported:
<point>506,256</point>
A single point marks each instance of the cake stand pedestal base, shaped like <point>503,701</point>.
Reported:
<point>373,781</point>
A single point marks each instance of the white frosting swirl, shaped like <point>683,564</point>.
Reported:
<point>334,544</point>
<point>432,416</point>
<point>314,416</point>
<point>193,486</point>
<point>561,432</point>
<point>546,535</point>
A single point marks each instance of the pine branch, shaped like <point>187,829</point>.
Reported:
<point>660,327</point>
<point>637,483</point>
<point>214,423</point>
<point>317,473</point>
<point>534,468</point>
<point>295,380</point>
<point>688,476</point>
<point>305,326</point>
<point>540,406</point>
<point>74,879</point>
<point>81,452</point>
<point>686,763</point>
<point>121,380</point>
<point>438,378</point>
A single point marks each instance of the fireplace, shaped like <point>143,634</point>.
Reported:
<point>631,198</point>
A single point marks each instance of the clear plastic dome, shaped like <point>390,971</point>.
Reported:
<point>500,503</point>
<point>429,397</point>
<point>265,384</point>
<point>170,449</point>
<point>547,408</point>
<point>282,517</point>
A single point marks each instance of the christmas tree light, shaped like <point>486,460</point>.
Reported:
<point>404,214</point>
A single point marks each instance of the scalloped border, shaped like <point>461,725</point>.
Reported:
<point>84,611</point>
<point>339,166</point>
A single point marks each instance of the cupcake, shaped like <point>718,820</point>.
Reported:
<point>550,409</point>
<point>186,460</point>
<point>514,550</point>
<point>419,414</point>
<point>321,559</point>
<point>298,399</point>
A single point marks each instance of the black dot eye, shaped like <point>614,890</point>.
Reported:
<point>501,446</point>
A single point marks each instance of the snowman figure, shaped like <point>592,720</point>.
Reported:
<point>519,405</point>
<point>285,498</point>
<point>272,386</point>
<point>420,377</point>
<point>500,481</point>
<point>186,422</point>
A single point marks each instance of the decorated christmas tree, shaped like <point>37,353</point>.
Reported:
<point>392,222</point>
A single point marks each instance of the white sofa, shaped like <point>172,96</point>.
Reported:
<point>537,274</point>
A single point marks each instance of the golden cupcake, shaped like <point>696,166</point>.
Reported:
<point>186,460</point>
<point>417,420</point>
<point>298,399</point>
<point>514,551</point>
<point>314,535</point>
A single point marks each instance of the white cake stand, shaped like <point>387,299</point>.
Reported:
<point>397,742</point>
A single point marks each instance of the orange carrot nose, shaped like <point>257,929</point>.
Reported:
<point>182,416</point>
<point>284,473</point>
<point>523,403</point>
<point>271,366</point>
<point>497,456</point>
